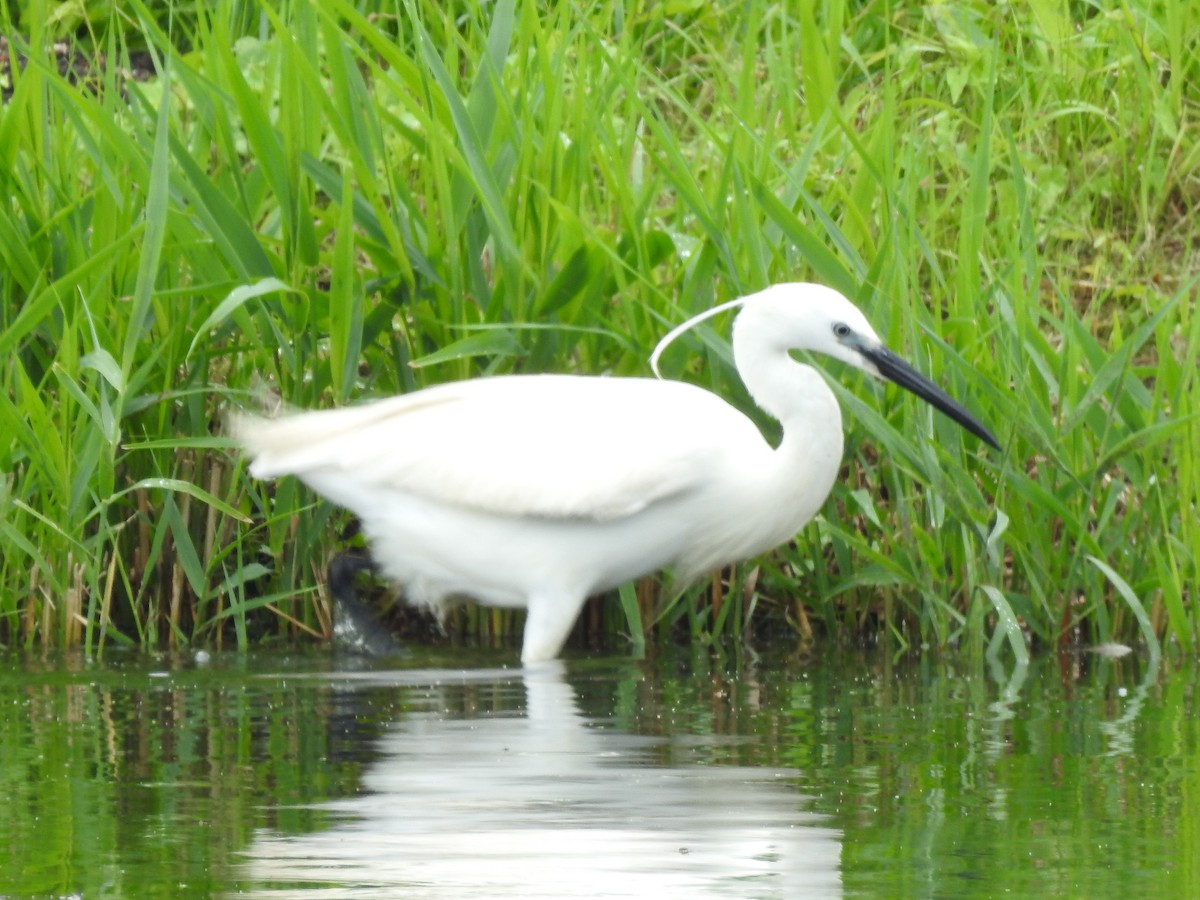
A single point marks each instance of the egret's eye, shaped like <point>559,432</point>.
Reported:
<point>841,330</point>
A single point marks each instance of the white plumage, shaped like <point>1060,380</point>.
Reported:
<point>538,491</point>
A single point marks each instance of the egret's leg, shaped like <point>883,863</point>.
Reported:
<point>341,572</point>
<point>549,621</point>
<point>356,628</point>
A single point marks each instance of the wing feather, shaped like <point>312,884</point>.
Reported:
<point>554,446</point>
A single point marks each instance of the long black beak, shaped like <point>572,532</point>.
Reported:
<point>895,369</point>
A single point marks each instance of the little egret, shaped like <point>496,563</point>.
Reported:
<point>539,491</point>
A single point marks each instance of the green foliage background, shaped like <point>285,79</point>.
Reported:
<point>349,199</point>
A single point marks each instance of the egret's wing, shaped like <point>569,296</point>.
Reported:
<point>554,446</point>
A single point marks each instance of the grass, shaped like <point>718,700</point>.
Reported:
<point>353,199</point>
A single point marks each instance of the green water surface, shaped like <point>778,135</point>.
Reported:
<point>458,774</point>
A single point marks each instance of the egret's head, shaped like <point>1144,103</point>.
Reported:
<point>800,316</point>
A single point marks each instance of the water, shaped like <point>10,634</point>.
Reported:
<point>451,775</point>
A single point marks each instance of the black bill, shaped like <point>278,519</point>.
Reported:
<point>893,368</point>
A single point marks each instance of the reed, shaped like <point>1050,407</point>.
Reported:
<point>346,200</point>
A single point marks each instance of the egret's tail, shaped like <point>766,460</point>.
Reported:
<point>293,443</point>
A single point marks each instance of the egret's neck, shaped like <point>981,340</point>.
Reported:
<point>793,393</point>
<point>798,396</point>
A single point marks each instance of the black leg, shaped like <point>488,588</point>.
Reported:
<point>356,628</point>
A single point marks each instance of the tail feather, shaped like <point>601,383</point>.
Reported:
<point>299,442</point>
<point>290,444</point>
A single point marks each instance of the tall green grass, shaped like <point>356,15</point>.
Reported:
<point>347,200</point>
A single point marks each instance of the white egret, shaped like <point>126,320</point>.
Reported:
<point>539,491</point>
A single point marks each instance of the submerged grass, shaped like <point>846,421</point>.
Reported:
<point>354,199</point>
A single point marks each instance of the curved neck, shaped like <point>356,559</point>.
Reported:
<point>797,396</point>
<point>793,393</point>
